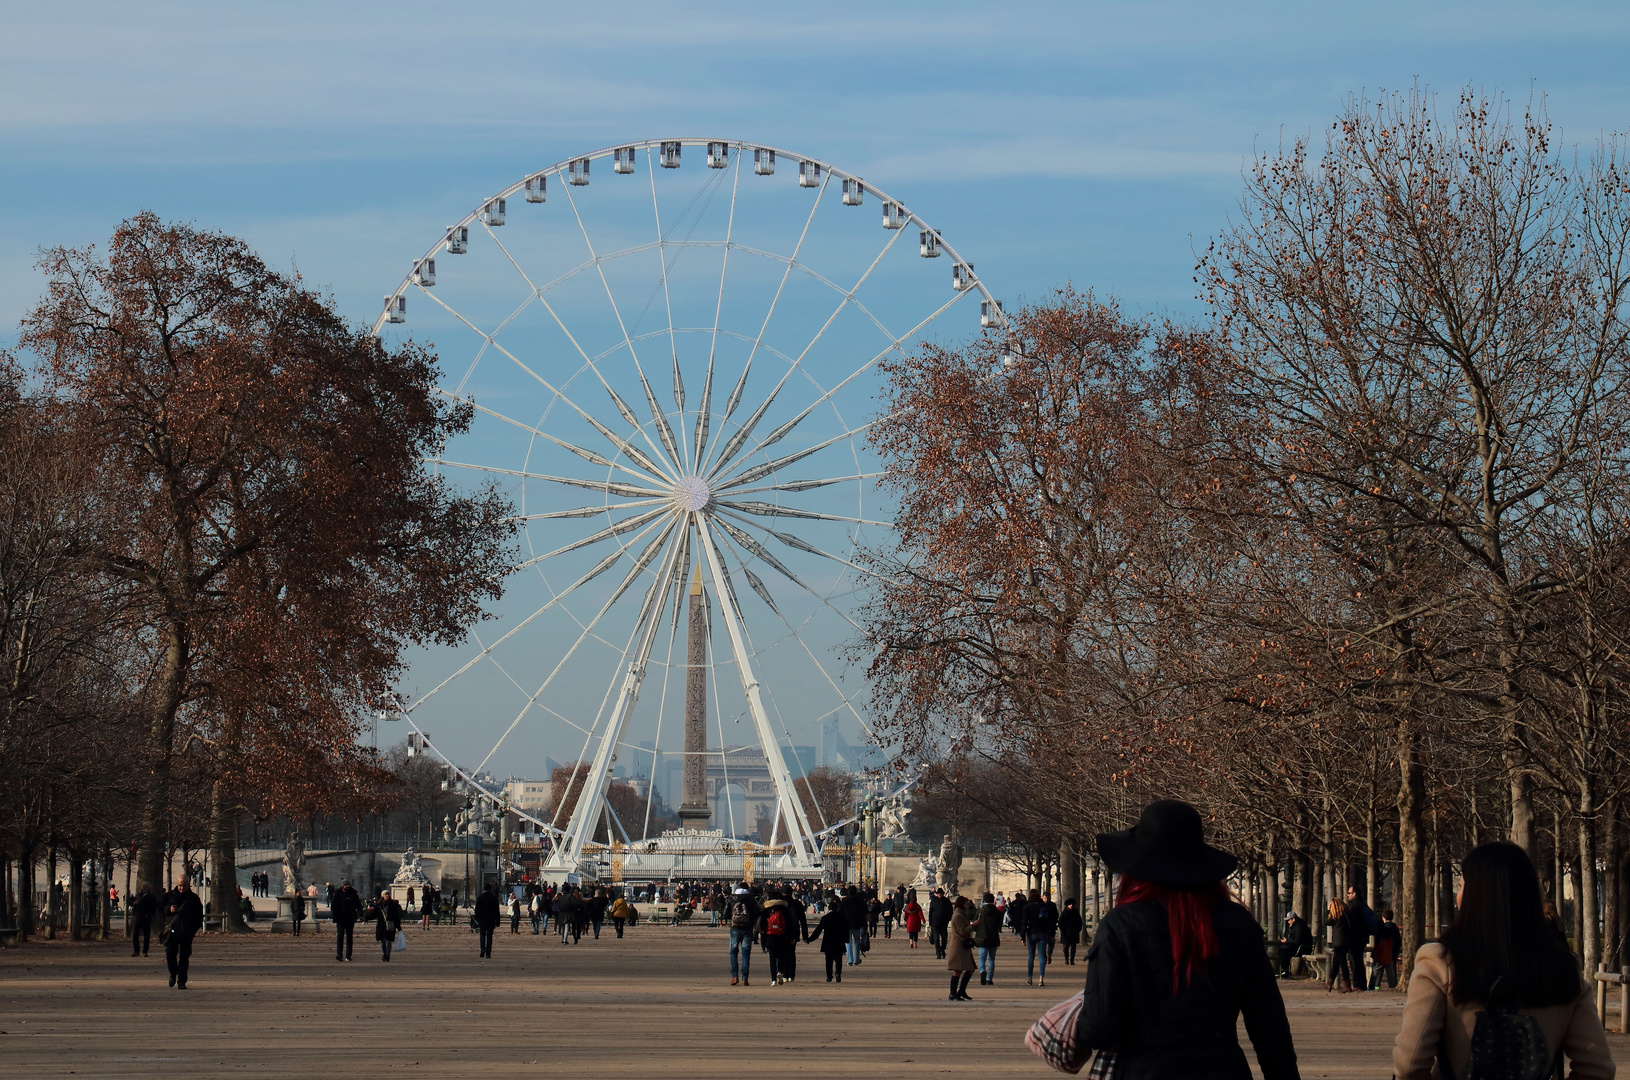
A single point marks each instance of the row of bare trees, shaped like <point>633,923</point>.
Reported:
<point>217,536</point>
<point>1346,563</point>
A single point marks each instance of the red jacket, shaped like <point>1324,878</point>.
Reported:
<point>913,917</point>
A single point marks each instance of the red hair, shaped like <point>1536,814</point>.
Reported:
<point>1188,919</point>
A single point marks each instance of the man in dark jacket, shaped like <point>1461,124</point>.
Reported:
<point>1040,924</point>
<point>346,908</point>
<point>854,917</point>
<point>939,922</point>
<point>486,919</point>
<point>1298,941</point>
<point>743,914</point>
<point>183,918</point>
<point>1361,923</point>
<point>142,911</point>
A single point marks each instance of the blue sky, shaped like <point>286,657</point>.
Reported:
<point>1095,143</point>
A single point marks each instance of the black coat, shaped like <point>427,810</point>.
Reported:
<point>188,917</point>
<point>486,911</point>
<point>1129,1005</point>
<point>833,930</point>
<point>1070,925</point>
<point>387,916</point>
<point>346,908</point>
<point>854,912</point>
<point>145,907</point>
<point>939,912</point>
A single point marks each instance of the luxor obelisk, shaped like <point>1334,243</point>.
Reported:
<point>694,812</point>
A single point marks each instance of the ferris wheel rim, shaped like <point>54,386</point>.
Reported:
<point>562,167</point>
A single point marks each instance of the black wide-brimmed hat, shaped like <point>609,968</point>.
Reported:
<point>1167,846</point>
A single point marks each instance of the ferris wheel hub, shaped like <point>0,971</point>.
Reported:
<point>692,493</point>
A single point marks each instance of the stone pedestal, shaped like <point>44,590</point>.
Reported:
<point>283,921</point>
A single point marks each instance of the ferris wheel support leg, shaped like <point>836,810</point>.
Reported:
<point>569,852</point>
<point>791,808</point>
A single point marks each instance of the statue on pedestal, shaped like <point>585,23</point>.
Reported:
<point>294,863</point>
<point>950,863</point>
<point>892,819</point>
<point>928,868</point>
<point>411,874</point>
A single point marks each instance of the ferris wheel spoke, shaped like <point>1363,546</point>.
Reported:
<point>704,412</point>
<point>764,509</point>
<point>758,472</point>
<point>759,551</point>
<point>740,438</point>
<point>626,525</point>
<point>610,487</point>
<point>803,545</point>
<point>588,630</point>
<point>667,299</point>
<point>588,511</point>
<point>805,485</point>
<point>582,452</point>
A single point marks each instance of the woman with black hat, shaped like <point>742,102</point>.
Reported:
<point>1177,961</point>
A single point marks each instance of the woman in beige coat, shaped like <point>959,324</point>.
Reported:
<point>959,958</point>
<point>1499,948</point>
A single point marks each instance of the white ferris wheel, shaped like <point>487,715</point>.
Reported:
<point>672,373</point>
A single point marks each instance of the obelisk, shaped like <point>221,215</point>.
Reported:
<point>694,811</point>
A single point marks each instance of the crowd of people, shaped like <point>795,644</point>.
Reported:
<point>1173,966</point>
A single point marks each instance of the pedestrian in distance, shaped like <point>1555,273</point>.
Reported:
<point>183,918</point>
<point>345,910</point>
<point>888,916</point>
<point>775,925</point>
<point>486,919</point>
<point>833,930</point>
<point>913,918</point>
<point>1040,924</point>
<point>297,912</point>
<point>987,938</point>
<point>1297,941</point>
<point>142,910</point>
<point>619,914</point>
<point>534,912</point>
<point>744,914</point>
<point>959,958</point>
<point>1361,926</point>
<point>853,907</point>
<point>596,910</point>
<point>1178,960</point>
<point>1499,994</point>
<point>874,912</point>
<point>1070,926</point>
<point>514,914</point>
<point>939,921</point>
<point>1389,942</point>
<point>387,916</point>
<point>1336,919</point>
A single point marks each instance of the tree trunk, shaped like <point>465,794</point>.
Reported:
<point>1589,945</point>
<point>1409,887</point>
<point>160,751</point>
<point>223,857</point>
<point>107,901</point>
<point>76,895</point>
<point>52,900</point>
<point>1613,890</point>
<point>25,890</point>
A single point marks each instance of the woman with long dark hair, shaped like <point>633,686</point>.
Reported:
<point>1498,954</point>
<point>1174,965</point>
<point>1341,954</point>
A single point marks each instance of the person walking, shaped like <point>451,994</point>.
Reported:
<point>1298,941</point>
<point>183,918</point>
<point>1040,924</point>
<point>142,910</point>
<point>1070,925</point>
<point>619,914</point>
<point>987,937</point>
<point>1014,915</point>
<point>596,910</point>
<point>888,914</point>
<point>1336,919</point>
<point>853,907</point>
<point>775,925</point>
<point>1178,960</point>
<point>1361,926</point>
<point>297,912</point>
<point>1389,942</point>
<point>514,914</point>
<point>566,905</point>
<point>833,930</point>
<point>743,922</point>
<point>487,918</point>
<point>912,918</point>
<point>534,911</point>
<point>387,915</point>
<point>959,958</point>
<point>1498,955</point>
<point>345,909</point>
<point>939,921</point>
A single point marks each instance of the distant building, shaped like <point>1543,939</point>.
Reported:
<point>532,796</point>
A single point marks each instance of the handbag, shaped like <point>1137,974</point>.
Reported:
<point>401,942</point>
<point>1053,1039</point>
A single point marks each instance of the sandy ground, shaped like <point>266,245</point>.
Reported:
<point>656,1004</point>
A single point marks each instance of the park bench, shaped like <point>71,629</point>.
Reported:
<point>8,935</point>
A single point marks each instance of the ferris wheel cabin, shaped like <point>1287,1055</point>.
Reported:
<point>894,216</point>
<point>854,191</point>
<point>809,174</point>
<point>537,188</point>
<point>396,309</point>
<point>493,213</point>
<point>990,314</point>
<point>928,244</point>
<point>424,274</point>
<point>962,276</point>
<point>622,160</point>
<point>718,155</point>
<point>670,155</point>
<point>458,239</point>
<point>577,173</point>
<point>764,162</point>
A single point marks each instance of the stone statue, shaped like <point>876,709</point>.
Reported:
<point>892,819</point>
<point>294,863</point>
<point>928,868</point>
<point>950,862</point>
<point>411,873</point>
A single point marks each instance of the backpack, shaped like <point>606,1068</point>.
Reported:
<point>1507,1045</point>
<point>1383,950</point>
<point>740,917</point>
<point>777,923</point>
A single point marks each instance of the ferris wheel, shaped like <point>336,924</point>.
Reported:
<point>668,370</point>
